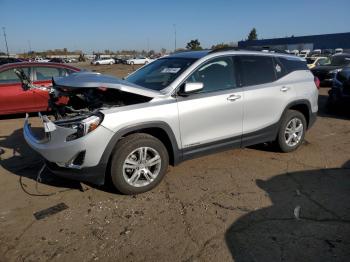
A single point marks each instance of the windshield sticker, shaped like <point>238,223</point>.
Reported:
<point>171,70</point>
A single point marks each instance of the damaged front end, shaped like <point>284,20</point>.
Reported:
<point>75,140</point>
<point>83,94</point>
<point>72,148</point>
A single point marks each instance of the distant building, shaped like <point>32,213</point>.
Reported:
<point>327,41</point>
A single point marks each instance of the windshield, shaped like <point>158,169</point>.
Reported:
<point>340,60</point>
<point>160,73</point>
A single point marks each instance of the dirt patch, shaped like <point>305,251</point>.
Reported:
<point>237,205</point>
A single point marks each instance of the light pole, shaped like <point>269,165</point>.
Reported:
<point>7,49</point>
<point>175,36</point>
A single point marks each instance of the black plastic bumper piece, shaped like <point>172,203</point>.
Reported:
<point>94,175</point>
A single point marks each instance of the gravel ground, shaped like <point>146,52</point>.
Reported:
<point>250,204</point>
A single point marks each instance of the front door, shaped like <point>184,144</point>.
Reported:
<point>213,116</point>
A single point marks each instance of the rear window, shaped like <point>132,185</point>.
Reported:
<point>257,70</point>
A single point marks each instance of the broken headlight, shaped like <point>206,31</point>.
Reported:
<point>85,126</point>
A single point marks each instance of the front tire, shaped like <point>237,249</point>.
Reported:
<point>292,131</point>
<point>138,164</point>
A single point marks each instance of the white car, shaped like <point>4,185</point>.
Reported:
<point>304,53</point>
<point>138,61</point>
<point>294,52</point>
<point>41,60</point>
<point>103,61</point>
<point>339,50</point>
<point>71,60</point>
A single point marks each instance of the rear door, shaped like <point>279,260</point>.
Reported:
<point>266,95</point>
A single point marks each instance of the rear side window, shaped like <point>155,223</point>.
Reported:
<point>256,70</point>
<point>46,73</point>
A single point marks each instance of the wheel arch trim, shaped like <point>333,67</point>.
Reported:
<point>176,151</point>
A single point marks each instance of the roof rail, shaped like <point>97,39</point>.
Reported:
<point>258,49</point>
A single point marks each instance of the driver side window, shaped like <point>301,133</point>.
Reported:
<point>216,74</point>
<point>9,76</point>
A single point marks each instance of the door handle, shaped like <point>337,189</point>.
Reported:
<point>233,97</point>
<point>285,88</point>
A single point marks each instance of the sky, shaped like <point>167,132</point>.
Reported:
<point>149,24</point>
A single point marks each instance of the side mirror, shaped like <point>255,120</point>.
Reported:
<point>189,88</point>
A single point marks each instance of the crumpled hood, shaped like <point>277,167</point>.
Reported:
<point>95,80</point>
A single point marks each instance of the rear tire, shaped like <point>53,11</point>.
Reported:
<point>138,164</point>
<point>292,131</point>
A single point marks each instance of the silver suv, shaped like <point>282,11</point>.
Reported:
<point>178,107</point>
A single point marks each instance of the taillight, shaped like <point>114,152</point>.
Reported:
<point>317,82</point>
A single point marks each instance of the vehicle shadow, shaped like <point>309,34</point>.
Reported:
<point>340,112</point>
<point>309,219</point>
<point>25,162</point>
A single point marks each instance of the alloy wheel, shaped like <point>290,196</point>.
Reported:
<point>142,166</point>
<point>294,132</point>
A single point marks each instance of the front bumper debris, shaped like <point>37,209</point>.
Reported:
<point>84,152</point>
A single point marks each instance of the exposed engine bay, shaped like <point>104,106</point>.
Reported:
<point>84,94</point>
<point>68,102</point>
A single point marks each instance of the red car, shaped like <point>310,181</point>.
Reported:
<point>13,99</point>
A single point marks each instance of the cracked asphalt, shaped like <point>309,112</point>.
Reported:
<point>252,204</point>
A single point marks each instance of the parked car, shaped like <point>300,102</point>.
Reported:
<point>119,60</point>
<point>71,60</point>
<point>138,61</point>
<point>340,91</point>
<point>103,61</point>
<point>57,60</point>
<point>339,50</point>
<point>176,108</point>
<point>294,52</point>
<point>41,60</point>
<point>317,61</point>
<point>327,52</point>
<point>326,73</point>
<point>304,53</point>
<point>7,60</point>
<point>316,52</point>
<point>13,99</point>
